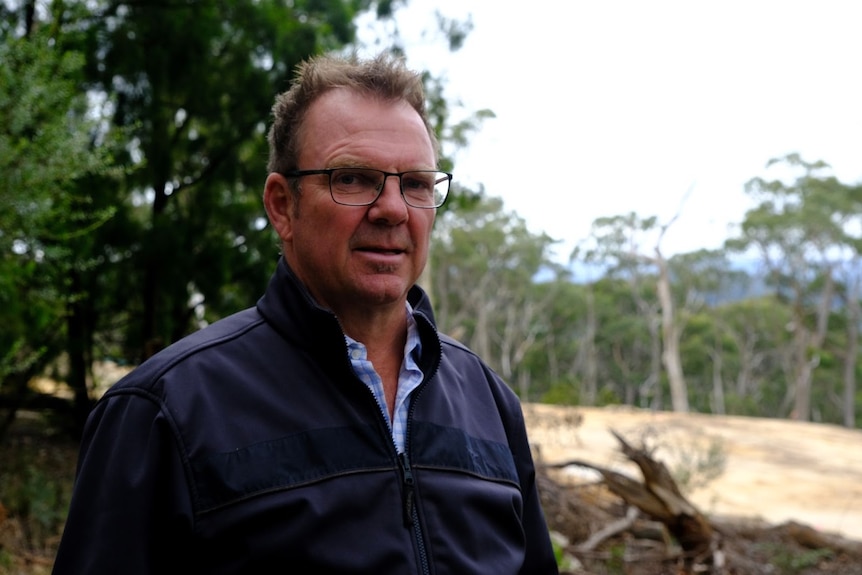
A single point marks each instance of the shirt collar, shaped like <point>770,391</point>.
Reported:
<point>413,345</point>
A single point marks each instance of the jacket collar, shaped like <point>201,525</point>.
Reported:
<point>291,310</point>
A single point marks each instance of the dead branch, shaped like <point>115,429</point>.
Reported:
<point>659,497</point>
<point>610,530</point>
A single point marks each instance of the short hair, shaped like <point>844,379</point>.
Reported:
<point>384,76</point>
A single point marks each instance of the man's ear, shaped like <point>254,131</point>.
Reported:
<point>278,200</point>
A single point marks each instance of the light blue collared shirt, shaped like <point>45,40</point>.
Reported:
<point>409,378</point>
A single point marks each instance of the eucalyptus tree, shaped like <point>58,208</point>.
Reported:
<point>705,353</point>
<point>852,297</point>
<point>803,229</point>
<point>625,345</point>
<point>618,242</point>
<point>758,354</point>
<point>565,364</point>
<point>485,262</point>
<point>698,281</point>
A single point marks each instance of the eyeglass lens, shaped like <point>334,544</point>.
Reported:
<point>361,186</point>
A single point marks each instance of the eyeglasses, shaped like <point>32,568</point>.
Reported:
<point>362,186</point>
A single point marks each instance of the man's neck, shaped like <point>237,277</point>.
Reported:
<point>384,338</point>
<point>378,331</point>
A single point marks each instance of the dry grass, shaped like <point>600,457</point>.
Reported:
<point>38,466</point>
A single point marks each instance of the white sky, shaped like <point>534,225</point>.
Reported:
<point>616,106</point>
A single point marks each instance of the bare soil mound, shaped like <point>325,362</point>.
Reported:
<point>785,496</point>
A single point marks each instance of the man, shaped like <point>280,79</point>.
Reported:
<point>329,429</point>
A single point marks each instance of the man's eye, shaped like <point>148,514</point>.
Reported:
<point>352,179</point>
<point>414,183</point>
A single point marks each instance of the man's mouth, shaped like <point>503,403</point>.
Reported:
<point>385,251</point>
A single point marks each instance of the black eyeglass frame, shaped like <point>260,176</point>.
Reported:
<point>330,171</point>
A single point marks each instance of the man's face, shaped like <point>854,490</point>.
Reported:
<point>358,257</point>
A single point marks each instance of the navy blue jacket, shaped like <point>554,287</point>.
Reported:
<point>251,447</point>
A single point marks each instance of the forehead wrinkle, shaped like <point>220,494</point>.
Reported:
<point>403,144</point>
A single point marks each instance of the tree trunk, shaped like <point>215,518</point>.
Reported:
<point>802,375</point>
<point>77,350</point>
<point>854,316</point>
<point>670,338</point>
<point>810,343</point>
<point>591,385</point>
<point>718,402</point>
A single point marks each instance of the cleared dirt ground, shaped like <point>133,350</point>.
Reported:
<point>774,470</point>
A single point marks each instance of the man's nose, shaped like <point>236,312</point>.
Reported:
<point>390,202</point>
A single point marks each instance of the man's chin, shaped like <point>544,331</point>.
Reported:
<point>383,289</point>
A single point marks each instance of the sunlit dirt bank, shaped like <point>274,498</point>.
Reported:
<point>774,470</point>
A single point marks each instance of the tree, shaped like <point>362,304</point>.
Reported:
<point>696,281</point>
<point>801,230</point>
<point>618,243</point>
<point>564,361</point>
<point>193,83</point>
<point>484,263</point>
<point>176,236</point>
<point>46,150</point>
<point>853,294</point>
<point>758,349</point>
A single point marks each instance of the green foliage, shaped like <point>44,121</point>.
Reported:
<point>35,489</point>
<point>745,405</point>
<point>609,396</point>
<point>39,499</point>
<point>6,559</point>
<point>789,561</point>
<point>565,562</point>
<point>197,153</point>
<point>483,264</point>
<point>45,151</point>
<point>45,139</point>
<point>616,563</point>
<point>806,222</point>
<point>561,393</point>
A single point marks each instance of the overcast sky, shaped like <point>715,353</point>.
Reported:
<point>608,107</point>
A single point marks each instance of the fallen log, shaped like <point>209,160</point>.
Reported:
<point>659,497</point>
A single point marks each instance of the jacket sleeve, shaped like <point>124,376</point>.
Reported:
<point>131,511</point>
<point>539,558</point>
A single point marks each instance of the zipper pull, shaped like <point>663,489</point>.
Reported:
<point>407,476</point>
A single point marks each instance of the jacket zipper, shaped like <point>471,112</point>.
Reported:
<point>411,515</point>
<point>410,512</point>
